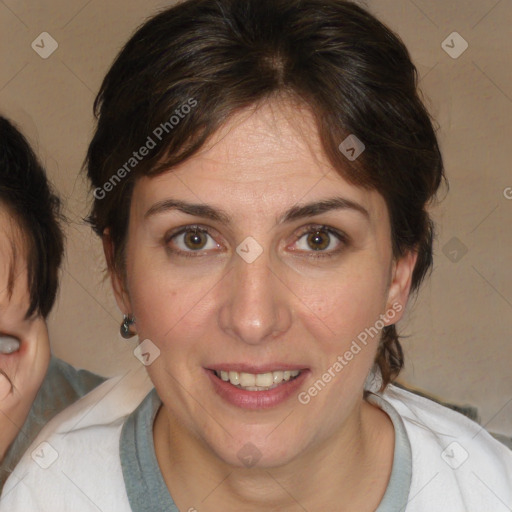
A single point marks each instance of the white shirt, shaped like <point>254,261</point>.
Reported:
<point>75,463</point>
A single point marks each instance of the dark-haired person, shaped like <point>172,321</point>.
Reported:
<point>261,172</point>
<point>34,385</point>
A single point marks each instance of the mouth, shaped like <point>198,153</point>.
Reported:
<point>248,387</point>
<point>257,381</point>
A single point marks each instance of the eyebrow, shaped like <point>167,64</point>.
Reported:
<point>294,213</point>
<point>316,208</point>
<point>197,210</point>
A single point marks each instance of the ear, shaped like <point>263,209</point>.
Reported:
<point>117,280</point>
<point>400,284</point>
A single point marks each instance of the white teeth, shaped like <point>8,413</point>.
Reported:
<point>234,378</point>
<point>257,382</point>
<point>245,379</point>
<point>264,380</point>
<point>278,377</point>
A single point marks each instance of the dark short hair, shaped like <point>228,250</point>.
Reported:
<point>28,198</point>
<point>353,72</point>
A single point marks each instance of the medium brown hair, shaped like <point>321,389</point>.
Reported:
<point>354,74</point>
<point>29,199</point>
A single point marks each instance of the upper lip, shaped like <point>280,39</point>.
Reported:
<point>255,369</point>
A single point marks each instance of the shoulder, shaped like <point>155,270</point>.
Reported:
<point>63,385</point>
<point>455,460</point>
<point>79,380</point>
<point>67,465</point>
<point>109,400</point>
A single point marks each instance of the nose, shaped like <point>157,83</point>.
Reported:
<point>255,306</point>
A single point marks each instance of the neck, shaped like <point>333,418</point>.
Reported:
<point>347,471</point>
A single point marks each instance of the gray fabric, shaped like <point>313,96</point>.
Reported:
<point>144,482</point>
<point>61,386</point>
<point>397,493</point>
<point>146,487</point>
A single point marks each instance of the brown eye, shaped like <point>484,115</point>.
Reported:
<point>319,240</point>
<point>195,240</point>
<point>191,241</point>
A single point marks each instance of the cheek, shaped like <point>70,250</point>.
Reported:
<point>168,305</point>
<point>347,302</point>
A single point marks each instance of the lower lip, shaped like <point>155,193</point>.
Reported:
<point>256,399</point>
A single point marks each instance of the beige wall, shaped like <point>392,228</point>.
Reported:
<point>459,344</point>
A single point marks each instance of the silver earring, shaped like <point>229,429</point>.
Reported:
<point>126,332</point>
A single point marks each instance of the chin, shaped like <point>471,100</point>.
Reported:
<point>257,450</point>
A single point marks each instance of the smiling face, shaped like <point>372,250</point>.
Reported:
<point>252,259</point>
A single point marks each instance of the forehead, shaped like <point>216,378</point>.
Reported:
<point>277,131</point>
<point>272,151</point>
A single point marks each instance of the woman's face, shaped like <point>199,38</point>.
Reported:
<point>255,257</point>
<point>27,366</point>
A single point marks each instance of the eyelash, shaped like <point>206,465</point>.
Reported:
<point>342,238</point>
<point>181,231</point>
